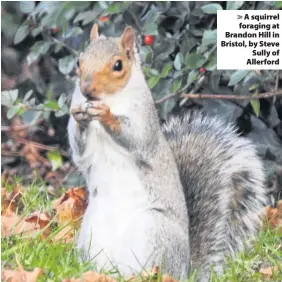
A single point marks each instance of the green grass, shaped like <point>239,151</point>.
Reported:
<point>59,260</point>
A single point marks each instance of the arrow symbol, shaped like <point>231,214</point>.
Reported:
<point>239,17</point>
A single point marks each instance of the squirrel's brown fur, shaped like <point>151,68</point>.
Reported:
<point>96,68</point>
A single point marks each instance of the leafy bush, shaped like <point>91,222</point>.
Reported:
<point>41,41</point>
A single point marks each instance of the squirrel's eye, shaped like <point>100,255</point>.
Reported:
<point>117,66</point>
<point>77,63</point>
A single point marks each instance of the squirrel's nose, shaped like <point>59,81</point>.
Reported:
<point>87,95</point>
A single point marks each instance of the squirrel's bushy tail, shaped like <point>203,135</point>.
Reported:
<point>223,182</point>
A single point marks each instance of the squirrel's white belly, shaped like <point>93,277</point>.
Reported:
<point>117,222</point>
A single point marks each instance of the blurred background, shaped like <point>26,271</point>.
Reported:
<point>177,43</point>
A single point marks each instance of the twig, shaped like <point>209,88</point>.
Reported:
<point>223,97</point>
<point>197,86</point>
<point>136,22</point>
<point>38,145</point>
<point>19,127</point>
<point>27,108</point>
<point>71,50</point>
<point>276,85</point>
<point>233,97</point>
<point>6,153</point>
<point>165,98</point>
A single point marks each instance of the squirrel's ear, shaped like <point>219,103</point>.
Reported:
<point>94,32</point>
<point>127,40</point>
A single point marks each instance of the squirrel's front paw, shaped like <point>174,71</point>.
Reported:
<point>79,114</point>
<point>103,113</point>
<point>97,109</point>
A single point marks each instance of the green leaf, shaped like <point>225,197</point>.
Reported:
<point>209,37</point>
<point>87,16</point>
<point>145,53</point>
<point>55,159</point>
<point>256,106</point>
<point>117,7</point>
<point>178,61</point>
<point>58,47</point>
<point>21,110</point>
<point>166,69</point>
<point>90,17</point>
<point>254,86</point>
<point>211,65</point>
<point>27,6</point>
<point>151,29</point>
<point>12,111</point>
<point>194,61</point>
<point>51,105</point>
<point>176,84</point>
<point>36,31</point>
<point>153,81</point>
<point>234,5</point>
<point>192,76</point>
<point>62,111</point>
<point>27,96</point>
<point>278,4</point>
<point>167,107</point>
<point>153,72</point>
<point>21,34</point>
<point>62,100</point>
<point>39,48</point>
<point>66,64</point>
<point>237,76</point>
<point>75,31</point>
<point>211,8</point>
<point>31,58</point>
<point>9,97</point>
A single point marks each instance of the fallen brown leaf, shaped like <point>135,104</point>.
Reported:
<point>41,221</point>
<point>151,276</point>
<point>70,209</point>
<point>66,235</point>
<point>268,272</point>
<point>91,276</point>
<point>167,278</point>
<point>9,200</point>
<point>279,208</point>
<point>12,225</point>
<point>20,275</point>
<point>71,206</point>
<point>8,208</point>
<point>274,216</point>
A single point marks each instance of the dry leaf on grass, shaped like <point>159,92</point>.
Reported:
<point>268,272</point>
<point>71,206</point>
<point>274,216</point>
<point>151,276</point>
<point>66,235</point>
<point>41,221</point>
<point>9,200</point>
<point>91,276</point>
<point>70,209</point>
<point>12,225</point>
<point>20,275</point>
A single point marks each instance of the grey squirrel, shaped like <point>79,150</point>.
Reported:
<point>182,196</point>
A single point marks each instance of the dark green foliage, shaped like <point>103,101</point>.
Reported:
<point>42,40</point>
